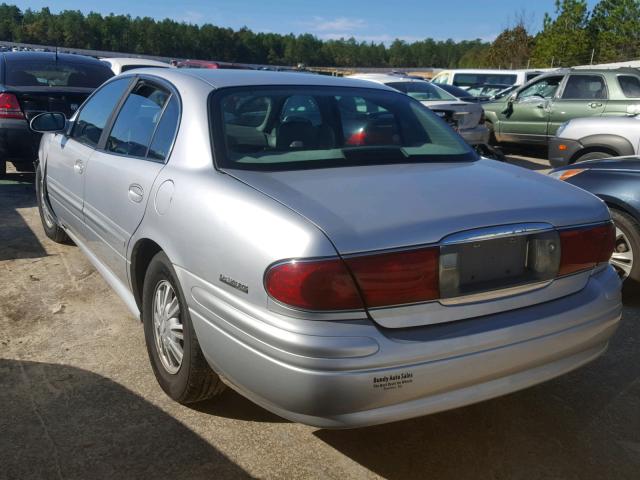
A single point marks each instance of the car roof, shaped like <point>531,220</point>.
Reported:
<point>221,78</point>
<point>48,56</point>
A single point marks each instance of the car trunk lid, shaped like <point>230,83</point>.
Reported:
<point>395,207</point>
<point>36,100</point>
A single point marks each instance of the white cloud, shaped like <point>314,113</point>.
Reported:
<point>340,24</point>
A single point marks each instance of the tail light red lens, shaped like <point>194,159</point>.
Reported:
<point>9,106</point>
<point>584,248</point>
<point>382,280</point>
<point>397,278</point>
<point>313,285</point>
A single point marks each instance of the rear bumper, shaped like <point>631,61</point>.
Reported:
<point>478,135</point>
<point>17,142</point>
<point>562,150</point>
<point>374,375</point>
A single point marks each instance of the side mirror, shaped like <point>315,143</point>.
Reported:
<point>53,122</point>
<point>512,98</point>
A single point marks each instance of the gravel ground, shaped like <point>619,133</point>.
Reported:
<point>78,399</point>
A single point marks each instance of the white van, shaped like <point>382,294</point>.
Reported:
<point>475,77</point>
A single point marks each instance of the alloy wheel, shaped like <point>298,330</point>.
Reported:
<point>167,327</point>
<point>622,258</point>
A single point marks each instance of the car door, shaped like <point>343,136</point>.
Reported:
<point>69,154</point>
<point>121,173</point>
<point>525,119</point>
<point>583,95</point>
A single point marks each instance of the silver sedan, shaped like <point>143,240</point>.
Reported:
<point>327,247</point>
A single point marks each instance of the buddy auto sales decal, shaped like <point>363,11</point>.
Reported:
<point>392,382</point>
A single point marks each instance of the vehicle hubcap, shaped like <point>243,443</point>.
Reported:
<point>622,258</point>
<point>167,327</point>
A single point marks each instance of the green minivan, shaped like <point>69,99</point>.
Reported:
<point>533,113</point>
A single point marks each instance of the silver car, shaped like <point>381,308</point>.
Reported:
<point>326,247</point>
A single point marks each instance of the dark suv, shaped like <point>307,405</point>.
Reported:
<point>533,113</point>
<point>36,82</point>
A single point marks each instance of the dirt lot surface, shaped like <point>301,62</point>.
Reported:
<point>78,399</point>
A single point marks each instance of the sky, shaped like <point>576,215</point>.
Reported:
<point>366,20</point>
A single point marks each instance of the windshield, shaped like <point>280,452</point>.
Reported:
<point>35,73</point>
<point>421,91</point>
<point>276,128</point>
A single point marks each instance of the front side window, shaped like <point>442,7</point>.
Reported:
<point>34,73</point>
<point>319,127</point>
<point>422,91</point>
<point>96,111</point>
<point>137,120</point>
<point>630,85</point>
<point>544,88</point>
<point>585,87</point>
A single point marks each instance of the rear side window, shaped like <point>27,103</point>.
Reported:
<point>94,114</point>
<point>137,120</point>
<point>629,85</point>
<point>166,132</point>
<point>471,79</point>
<point>585,87</point>
<point>56,74</point>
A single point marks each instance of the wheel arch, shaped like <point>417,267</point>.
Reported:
<point>141,254</point>
<point>615,145</point>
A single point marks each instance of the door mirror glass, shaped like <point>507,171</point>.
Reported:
<point>49,122</point>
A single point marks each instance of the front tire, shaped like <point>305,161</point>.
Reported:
<point>172,345</point>
<point>592,156</point>
<point>625,256</point>
<point>48,219</point>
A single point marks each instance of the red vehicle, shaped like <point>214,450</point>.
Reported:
<point>209,64</point>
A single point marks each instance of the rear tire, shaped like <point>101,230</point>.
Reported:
<point>185,377</point>
<point>627,245</point>
<point>592,156</point>
<point>48,219</point>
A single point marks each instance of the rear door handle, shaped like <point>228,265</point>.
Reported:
<point>595,105</point>
<point>136,193</point>
<point>78,167</point>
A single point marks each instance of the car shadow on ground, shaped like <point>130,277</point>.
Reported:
<point>581,425</point>
<point>17,240</point>
<point>230,404</point>
<point>59,421</point>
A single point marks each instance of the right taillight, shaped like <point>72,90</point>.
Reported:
<point>584,248</point>
<point>9,106</point>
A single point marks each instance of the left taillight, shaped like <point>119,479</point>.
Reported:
<point>376,280</point>
<point>584,248</point>
<point>323,284</point>
<point>10,107</point>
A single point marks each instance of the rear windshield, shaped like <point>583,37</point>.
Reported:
<point>472,79</point>
<point>278,128</point>
<point>35,73</point>
<point>422,91</point>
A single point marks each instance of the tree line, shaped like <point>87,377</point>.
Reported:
<point>571,35</point>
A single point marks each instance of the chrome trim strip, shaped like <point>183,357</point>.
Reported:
<point>490,233</point>
<point>495,294</point>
